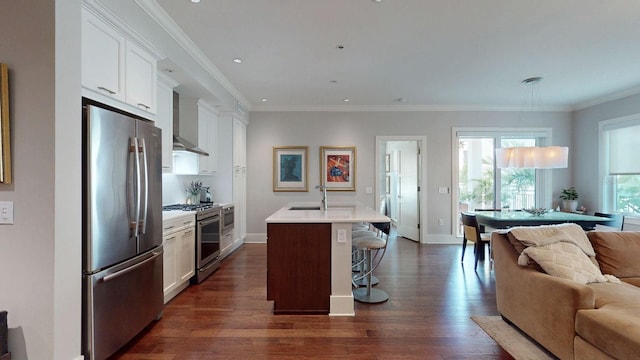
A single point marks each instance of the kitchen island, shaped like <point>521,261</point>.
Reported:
<point>309,257</point>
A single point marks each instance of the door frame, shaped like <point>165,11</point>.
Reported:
<point>379,178</point>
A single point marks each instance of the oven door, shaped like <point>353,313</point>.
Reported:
<point>208,240</point>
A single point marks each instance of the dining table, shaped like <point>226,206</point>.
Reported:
<point>508,219</point>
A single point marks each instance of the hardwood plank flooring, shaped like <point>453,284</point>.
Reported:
<point>432,296</point>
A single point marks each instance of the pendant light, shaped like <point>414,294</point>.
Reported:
<point>533,157</point>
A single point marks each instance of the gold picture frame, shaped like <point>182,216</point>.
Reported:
<point>290,168</point>
<point>338,168</point>
<point>5,130</point>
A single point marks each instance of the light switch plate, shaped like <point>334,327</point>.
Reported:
<point>342,236</point>
<point>6,212</point>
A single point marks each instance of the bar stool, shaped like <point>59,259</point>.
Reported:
<point>373,248</point>
<point>358,258</point>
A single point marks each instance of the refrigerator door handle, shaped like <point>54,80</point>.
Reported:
<point>131,187</point>
<point>137,187</point>
<point>123,272</point>
<point>145,200</point>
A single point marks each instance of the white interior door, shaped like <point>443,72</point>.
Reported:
<point>408,209</point>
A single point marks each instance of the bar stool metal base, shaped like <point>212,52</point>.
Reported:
<point>373,296</point>
<point>363,281</point>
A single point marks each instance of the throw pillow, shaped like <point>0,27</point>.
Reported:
<point>617,252</point>
<point>566,260</point>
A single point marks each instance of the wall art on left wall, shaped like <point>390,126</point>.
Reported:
<point>5,131</point>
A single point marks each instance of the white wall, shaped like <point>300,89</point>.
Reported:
<point>586,143</point>
<point>27,247</point>
<point>315,129</point>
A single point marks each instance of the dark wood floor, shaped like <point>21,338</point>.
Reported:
<point>431,294</point>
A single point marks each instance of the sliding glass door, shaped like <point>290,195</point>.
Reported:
<point>483,186</point>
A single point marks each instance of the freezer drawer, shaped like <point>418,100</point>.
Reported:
<point>120,302</point>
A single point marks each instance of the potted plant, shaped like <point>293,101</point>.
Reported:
<point>569,199</point>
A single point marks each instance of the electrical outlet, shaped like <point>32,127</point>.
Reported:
<point>440,222</point>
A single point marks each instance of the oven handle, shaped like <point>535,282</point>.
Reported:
<point>207,221</point>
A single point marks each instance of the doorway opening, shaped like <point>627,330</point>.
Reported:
<point>400,177</point>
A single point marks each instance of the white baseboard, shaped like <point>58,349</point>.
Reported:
<point>443,239</point>
<point>256,239</point>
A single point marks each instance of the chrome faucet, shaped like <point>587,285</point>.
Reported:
<point>323,188</point>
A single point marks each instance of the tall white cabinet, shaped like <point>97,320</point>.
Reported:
<point>164,119</point>
<point>240,179</point>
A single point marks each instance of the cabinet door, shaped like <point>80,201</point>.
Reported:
<point>239,143</point>
<point>140,79</point>
<point>103,57</point>
<point>208,140</point>
<point>240,202</point>
<point>186,255</point>
<point>169,279</point>
<point>164,120</point>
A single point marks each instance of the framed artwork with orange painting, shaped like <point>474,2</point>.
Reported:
<point>338,168</point>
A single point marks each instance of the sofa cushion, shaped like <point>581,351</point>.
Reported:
<point>567,261</point>
<point>614,330</point>
<point>615,295</point>
<point>632,280</point>
<point>617,252</point>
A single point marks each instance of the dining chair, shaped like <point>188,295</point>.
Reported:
<point>617,217</point>
<point>472,233</point>
<point>631,223</point>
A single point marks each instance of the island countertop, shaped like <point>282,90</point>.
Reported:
<point>311,212</point>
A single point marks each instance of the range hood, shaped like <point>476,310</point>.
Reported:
<point>180,143</point>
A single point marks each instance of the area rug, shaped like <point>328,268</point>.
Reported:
<point>511,339</point>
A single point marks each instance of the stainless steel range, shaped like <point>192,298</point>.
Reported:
<point>208,225</point>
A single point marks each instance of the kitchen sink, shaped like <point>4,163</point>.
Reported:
<point>304,208</point>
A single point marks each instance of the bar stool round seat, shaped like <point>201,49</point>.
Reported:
<point>368,244</point>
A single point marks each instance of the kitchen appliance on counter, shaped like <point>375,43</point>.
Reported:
<point>208,227</point>
<point>122,228</point>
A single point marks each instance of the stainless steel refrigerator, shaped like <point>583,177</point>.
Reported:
<point>122,229</point>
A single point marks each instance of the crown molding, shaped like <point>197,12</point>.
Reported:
<point>611,97</point>
<point>155,11</point>
<point>400,108</point>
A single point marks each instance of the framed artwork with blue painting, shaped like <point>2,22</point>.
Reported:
<point>290,168</point>
<point>338,167</point>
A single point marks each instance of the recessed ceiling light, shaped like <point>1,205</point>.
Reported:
<point>237,60</point>
<point>195,1</point>
<point>333,81</point>
<point>169,70</point>
<point>401,100</point>
<point>340,47</point>
<point>346,100</point>
<point>377,1</point>
<point>264,100</point>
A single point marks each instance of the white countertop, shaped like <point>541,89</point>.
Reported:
<point>336,213</point>
<point>172,214</point>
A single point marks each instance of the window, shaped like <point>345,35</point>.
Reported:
<point>621,185</point>
<point>479,180</point>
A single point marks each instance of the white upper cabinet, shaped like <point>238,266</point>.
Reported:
<point>103,57</point>
<point>140,78</point>
<point>239,143</point>
<point>208,139</point>
<point>116,70</point>
<point>164,119</point>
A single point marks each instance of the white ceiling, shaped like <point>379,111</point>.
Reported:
<point>457,54</point>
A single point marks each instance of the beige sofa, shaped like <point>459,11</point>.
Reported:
<point>573,320</point>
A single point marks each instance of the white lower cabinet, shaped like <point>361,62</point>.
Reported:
<point>178,239</point>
